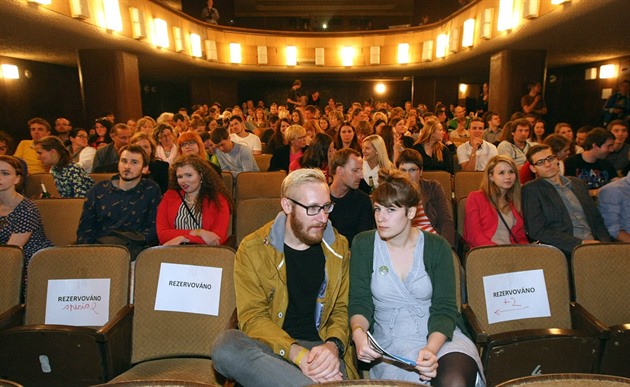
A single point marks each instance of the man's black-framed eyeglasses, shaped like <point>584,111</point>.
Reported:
<point>314,209</point>
<point>542,162</point>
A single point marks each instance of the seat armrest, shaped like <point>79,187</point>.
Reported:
<point>115,337</point>
<point>12,317</point>
<point>480,335</point>
<point>120,319</point>
<point>535,334</point>
<point>583,320</point>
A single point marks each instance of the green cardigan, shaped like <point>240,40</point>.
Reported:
<point>438,262</point>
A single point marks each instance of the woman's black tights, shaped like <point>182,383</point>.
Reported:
<point>455,370</point>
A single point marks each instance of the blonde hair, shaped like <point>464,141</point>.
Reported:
<point>294,132</point>
<point>299,177</point>
<point>430,127</point>
<point>381,151</point>
<point>493,193</point>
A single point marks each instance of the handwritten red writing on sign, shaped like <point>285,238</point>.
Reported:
<point>511,306</point>
<point>77,307</point>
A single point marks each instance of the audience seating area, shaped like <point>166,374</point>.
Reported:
<point>588,336</point>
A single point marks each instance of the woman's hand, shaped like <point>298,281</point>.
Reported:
<point>178,240</point>
<point>209,238</point>
<point>426,364</point>
<point>364,352</point>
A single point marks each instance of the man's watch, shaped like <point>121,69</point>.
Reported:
<point>338,344</point>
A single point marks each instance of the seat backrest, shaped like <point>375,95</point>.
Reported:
<point>160,334</point>
<point>263,160</point>
<point>568,379</point>
<point>444,178</point>
<point>33,188</point>
<point>100,176</point>
<point>251,214</point>
<point>11,263</point>
<point>228,180</point>
<point>601,274</point>
<point>61,217</point>
<point>461,215</point>
<point>76,262</point>
<point>252,185</point>
<point>466,182</point>
<point>493,260</point>
<point>458,279</point>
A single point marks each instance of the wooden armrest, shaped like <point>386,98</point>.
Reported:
<point>119,321</point>
<point>481,336</point>
<point>581,319</point>
<point>12,317</point>
<point>531,334</point>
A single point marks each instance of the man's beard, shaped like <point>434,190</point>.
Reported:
<point>129,178</point>
<point>301,233</point>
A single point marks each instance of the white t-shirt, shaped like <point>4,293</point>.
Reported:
<point>251,140</point>
<point>484,154</point>
<point>369,172</point>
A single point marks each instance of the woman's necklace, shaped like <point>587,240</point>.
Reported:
<point>189,201</point>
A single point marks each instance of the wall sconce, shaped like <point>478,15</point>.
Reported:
<point>531,9</point>
<point>403,53</point>
<point>347,55</point>
<point>380,88</point>
<point>486,23</point>
<point>463,90</point>
<point>262,54</point>
<point>211,50</point>
<point>79,9</point>
<point>375,55</point>
<point>195,45</point>
<point>160,37</point>
<point>453,40</point>
<point>177,36</point>
<point>137,23</point>
<point>427,51</point>
<point>291,52</point>
<point>113,21</point>
<point>506,15</point>
<point>10,71</point>
<point>469,33</point>
<point>590,74</point>
<point>608,71</point>
<point>319,56</point>
<point>235,53</point>
<point>442,46</point>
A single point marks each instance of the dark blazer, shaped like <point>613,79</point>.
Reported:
<point>105,159</point>
<point>438,209</point>
<point>547,219</point>
<point>280,159</point>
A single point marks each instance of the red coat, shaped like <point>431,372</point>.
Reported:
<point>482,221</point>
<point>212,219</point>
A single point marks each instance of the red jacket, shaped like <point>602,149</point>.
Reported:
<point>482,221</point>
<point>212,219</point>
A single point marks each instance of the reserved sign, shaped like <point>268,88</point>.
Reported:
<point>189,289</point>
<point>78,302</point>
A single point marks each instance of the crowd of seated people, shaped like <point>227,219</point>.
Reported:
<point>167,187</point>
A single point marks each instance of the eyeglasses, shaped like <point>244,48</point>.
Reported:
<point>542,162</point>
<point>314,210</point>
<point>188,144</point>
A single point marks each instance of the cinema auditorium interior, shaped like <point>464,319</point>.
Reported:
<point>565,316</point>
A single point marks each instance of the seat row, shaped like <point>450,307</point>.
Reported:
<point>77,326</point>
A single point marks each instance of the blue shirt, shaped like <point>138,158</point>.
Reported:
<point>109,208</point>
<point>614,205</point>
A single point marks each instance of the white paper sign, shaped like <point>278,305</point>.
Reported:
<point>189,288</point>
<point>78,302</point>
<point>515,296</point>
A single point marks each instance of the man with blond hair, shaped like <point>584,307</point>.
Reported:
<point>291,278</point>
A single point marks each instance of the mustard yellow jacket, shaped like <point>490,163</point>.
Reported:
<point>261,289</point>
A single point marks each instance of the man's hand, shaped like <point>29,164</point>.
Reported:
<point>322,363</point>
<point>476,142</point>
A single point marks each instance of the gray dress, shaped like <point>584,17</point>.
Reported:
<point>402,313</point>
